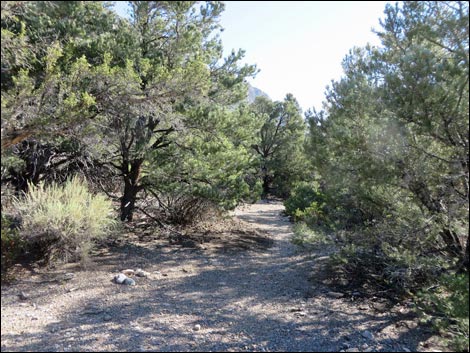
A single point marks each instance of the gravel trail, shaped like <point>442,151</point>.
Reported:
<point>195,300</point>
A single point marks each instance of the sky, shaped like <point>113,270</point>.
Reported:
<point>297,45</point>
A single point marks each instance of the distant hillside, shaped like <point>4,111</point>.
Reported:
<point>254,92</point>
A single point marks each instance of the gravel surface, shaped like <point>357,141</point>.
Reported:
<point>257,299</point>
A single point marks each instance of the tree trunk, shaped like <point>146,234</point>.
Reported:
<point>14,137</point>
<point>128,201</point>
<point>265,185</point>
<point>463,268</point>
<point>453,243</point>
<point>266,180</point>
<point>131,189</point>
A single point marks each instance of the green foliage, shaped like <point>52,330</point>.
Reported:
<point>385,263</point>
<point>157,98</point>
<point>279,144</point>
<point>446,305</point>
<point>64,220</point>
<point>391,145</point>
<point>134,85</point>
<point>304,236</point>
<point>15,50</point>
<point>12,245</point>
<point>208,164</point>
<point>44,95</point>
<point>305,200</point>
<point>390,150</point>
<point>256,191</point>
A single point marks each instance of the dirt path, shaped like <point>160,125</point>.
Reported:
<point>195,300</point>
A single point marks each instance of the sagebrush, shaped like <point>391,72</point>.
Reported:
<point>64,221</point>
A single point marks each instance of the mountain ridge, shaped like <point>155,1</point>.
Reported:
<point>254,92</point>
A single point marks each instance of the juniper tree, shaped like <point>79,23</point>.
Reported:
<point>280,141</point>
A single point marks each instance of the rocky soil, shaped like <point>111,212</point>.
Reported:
<point>244,287</point>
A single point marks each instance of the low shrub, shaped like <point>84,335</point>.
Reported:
<point>306,236</point>
<point>302,196</point>
<point>63,222</point>
<point>383,262</point>
<point>446,306</point>
<point>183,209</point>
<point>12,245</point>
<point>178,208</point>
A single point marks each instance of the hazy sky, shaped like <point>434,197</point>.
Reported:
<point>298,45</point>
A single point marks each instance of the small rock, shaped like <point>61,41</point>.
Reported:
<point>23,296</point>
<point>68,276</point>
<point>367,334</point>
<point>363,307</point>
<point>71,290</point>
<point>335,294</point>
<point>354,349</point>
<point>120,278</point>
<point>23,304</point>
<point>301,313</point>
<point>141,273</point>
<point>164,274</point>
<point>345,346</point>
<point>356,294</point>
<point>369,349</point>
<point>197,327</point>
<point>128,272</point>
<point>107,317</point>
<point>406,349</point>
<point>129,282</point>
<point>382,307</point>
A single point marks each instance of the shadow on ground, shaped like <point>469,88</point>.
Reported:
<point>253,300</point>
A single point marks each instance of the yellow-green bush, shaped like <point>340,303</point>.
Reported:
<point>64,221</point>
